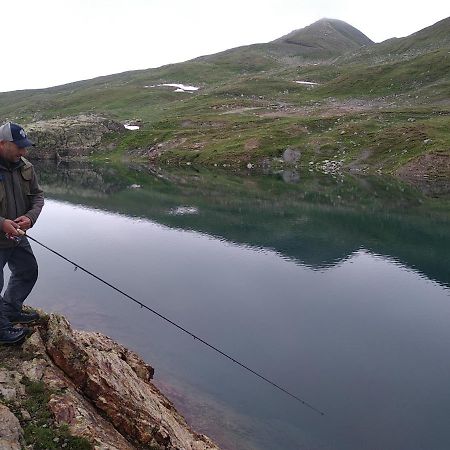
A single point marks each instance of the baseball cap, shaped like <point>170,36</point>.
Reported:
<point>14,133</point>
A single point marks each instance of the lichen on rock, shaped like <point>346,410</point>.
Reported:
<point>73,136</point>
<point>10,430</point>
<point>96,388</point>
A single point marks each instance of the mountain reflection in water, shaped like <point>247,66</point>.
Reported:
<point>335,287</point>
<point>318,221</point>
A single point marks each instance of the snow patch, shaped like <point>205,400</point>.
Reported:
<point>182,87</point>
<point>179,87</point>
<point>131,127</point>
<point>307,83</point>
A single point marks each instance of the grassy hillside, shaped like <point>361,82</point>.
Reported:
<point>375,107</point>
<point>431,38</point>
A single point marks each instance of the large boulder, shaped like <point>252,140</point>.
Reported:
<point>117,382</point>
<point>70,136</point>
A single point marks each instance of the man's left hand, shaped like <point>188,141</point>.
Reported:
<point>24,222</point>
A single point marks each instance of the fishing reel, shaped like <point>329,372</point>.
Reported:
<point>15,238</point>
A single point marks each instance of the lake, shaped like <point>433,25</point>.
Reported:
<point>335,287</point>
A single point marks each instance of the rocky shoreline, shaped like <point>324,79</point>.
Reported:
<point>407,152</point>
<point>64,388</point>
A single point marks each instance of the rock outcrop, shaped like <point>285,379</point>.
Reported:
<point>70,137</point>
<point>98,390</point>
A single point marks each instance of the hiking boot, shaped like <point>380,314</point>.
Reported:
<point>11,335</point>
<point>24,317</point>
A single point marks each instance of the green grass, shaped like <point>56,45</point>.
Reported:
<point>391,78</point>
<point>41,432</point>
<point>390,139</point>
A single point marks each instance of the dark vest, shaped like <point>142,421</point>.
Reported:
<point>26,173</point>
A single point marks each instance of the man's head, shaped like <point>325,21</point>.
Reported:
<point>13,142</point>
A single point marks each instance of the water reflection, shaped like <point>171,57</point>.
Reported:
<point>337,288</point>
<point>318,221</point>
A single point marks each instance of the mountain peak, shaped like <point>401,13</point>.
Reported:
<point>332,36</point>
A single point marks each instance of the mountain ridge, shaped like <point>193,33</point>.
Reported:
<point>393,96</point>
<point>425,40</point>
<point>445,22</point>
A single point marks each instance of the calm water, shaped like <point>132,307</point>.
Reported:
<point>337,288</point>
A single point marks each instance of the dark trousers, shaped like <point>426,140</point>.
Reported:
<point>24,273</point>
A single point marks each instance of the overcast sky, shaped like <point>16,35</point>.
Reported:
<point>51,42</point>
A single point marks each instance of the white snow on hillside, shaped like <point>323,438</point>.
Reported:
<point>307,83</point>
<point>179,87</point>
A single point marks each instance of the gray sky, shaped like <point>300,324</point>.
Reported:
<point>51,42</point>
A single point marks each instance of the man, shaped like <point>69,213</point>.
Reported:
<point>21,201</point>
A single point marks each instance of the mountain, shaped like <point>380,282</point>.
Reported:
<point>326,91</point>
<point>322,40</point>
<point>117,94</point>
<point>326,36</point>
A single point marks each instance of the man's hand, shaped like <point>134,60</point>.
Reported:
<point>23,222</point>
<point>10,227</point>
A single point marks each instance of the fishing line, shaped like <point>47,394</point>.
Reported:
<point>184,330</point>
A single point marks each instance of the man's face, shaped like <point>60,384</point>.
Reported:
<point>11,152</point>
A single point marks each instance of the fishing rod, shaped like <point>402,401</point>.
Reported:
<point>184,330</point>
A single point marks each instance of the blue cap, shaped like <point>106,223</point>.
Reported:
<point>14,133</point>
